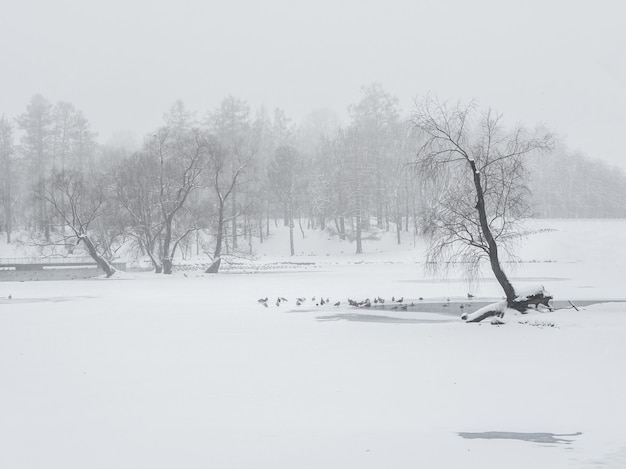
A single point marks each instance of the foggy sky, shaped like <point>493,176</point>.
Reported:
<point>125,62</point>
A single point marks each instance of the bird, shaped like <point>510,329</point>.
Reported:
<point>313,299</point>
<point>469,295</point>
<point>278,302</point>
<point>10,297</point>
<point>301,299</point>
<point>264,304</point>
<point>381,300</point>
<point>283,298</point>
<point>298,303</point>
<point>393,298</point>
<point>322,302</point>
<point>375,300</point>
<point>403,307</point>
<point>262,300</point>
<point>337,304</point>
<point>400,300</point>
<point>420,298</point>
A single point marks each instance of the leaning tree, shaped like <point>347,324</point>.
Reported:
<point>78,203</point>
<point>481,162</point>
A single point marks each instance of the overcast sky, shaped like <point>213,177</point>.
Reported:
<point>124,62</point>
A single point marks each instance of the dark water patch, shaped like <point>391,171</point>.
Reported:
<point>484,280</point>
<point>70,273</point>
<point>456,307</point>
<point>56,299</point>
<point>543,438</point>
<point>374,318</point>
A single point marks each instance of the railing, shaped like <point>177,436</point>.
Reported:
<point>31,263</point>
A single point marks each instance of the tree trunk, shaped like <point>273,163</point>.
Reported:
<point>291,243</point>
<point>359,246</point>
<point>234,215</point>
<point>168,266</point>
<point>300,225</point>
<point>148,246</point>
<point>342,228</point>
<point>214,267</point>
<point>267,225</point>
<point>108,269</point>
<point>509,291</point>
<point>167,241</point>
<point>220,231</point>
<point>8,206</point>
<point>379,201</point>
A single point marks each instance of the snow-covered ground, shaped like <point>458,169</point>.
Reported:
<point>191,371</point>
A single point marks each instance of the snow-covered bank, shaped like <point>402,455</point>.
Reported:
<point>191,371</point>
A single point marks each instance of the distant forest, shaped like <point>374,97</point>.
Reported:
<point>211,183</point>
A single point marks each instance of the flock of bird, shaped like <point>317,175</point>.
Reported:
<point>321,301</point>
<point>399,303</point>
<point>299,301</point>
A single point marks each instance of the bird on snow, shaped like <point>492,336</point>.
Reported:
<point>381,300</point>
<point>393,298</point>
<point>420,298</point>
<point>301,299</point>
<point>278,302</point>
<point>262,300</point>
<point>400,300</point>
<point>469,295</point>
<point>9,297</point>
<point>283,298</point>
<point>403,307</point>
<point>298,303</point>
<point>337,304</point>
<point>322,302</point>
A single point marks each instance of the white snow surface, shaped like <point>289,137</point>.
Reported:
<point>190,371</point>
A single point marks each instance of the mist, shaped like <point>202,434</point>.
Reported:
<point>125,63</point>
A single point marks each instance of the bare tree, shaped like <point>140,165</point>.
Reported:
<point>377,118</point>
<point>36,127</point>
<point>6,181</point>
<point>284,170</point>
<point>483,166</point>
<point>137,192</point>
<point>180,162</point>
<point>78,205</point>
<point>225,174</point>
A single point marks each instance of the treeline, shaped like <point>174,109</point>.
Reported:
<point>210,184</point>
<point>567,184</point>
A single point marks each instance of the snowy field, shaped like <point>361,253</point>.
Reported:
<point>191,371</point>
